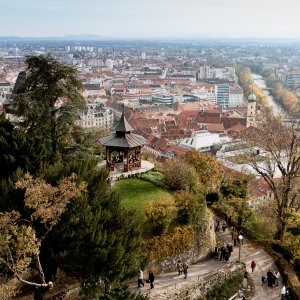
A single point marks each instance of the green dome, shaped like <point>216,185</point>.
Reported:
<point>252,97</point>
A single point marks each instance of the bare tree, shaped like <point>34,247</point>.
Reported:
<point>275,157</point>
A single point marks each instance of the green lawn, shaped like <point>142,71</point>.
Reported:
<point>137,193</point>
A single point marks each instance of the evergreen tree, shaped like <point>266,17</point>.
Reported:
<point>96,237</point>
<point>122,292</point>
<point>48,100</point>
<point>18,149</point>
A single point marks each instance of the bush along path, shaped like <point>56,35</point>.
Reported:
<point>249,252</point>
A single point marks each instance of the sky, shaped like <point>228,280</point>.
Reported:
<point>151,18</point>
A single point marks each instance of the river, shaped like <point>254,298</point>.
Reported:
<point>277,109</point>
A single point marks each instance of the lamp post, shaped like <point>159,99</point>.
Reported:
<point>240,243</point>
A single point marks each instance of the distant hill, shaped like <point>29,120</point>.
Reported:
<point>68,37</point>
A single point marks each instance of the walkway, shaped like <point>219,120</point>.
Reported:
<point>249,252</point>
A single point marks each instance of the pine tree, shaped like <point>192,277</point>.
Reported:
<point>48,100</point>
<point>96,237</point>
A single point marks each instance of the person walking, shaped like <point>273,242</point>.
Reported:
<point>179,267</point>
<point>285,278</point>
<point>224,225</point>
<point>140,278</point>
<point>276,275</point>
<point>151,279</point>
<point>216,252</point>
<point>185,270</point>
<point>229,249</point>
<point>270,278</point>
<point>253,265</point>
<point>235,236</point>
<point>283,292</point>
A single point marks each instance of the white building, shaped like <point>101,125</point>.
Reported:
<point>203,141</point>
<point>95,115</point>
<point>236,96</point>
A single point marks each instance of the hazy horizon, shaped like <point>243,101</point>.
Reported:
<point>151,18</point>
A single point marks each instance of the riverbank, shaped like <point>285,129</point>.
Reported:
<point>261,83</point>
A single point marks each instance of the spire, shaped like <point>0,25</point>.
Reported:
<point>123,125</point>
<point>252,97</point>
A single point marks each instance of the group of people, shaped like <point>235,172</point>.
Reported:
<point>182,268</point>
<point>272,279</point>
<point>223,252</point>
<point>149,280</point>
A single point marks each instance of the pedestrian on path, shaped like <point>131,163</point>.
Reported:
<point>229,249</point>
<point>179,267</point>
<point>283,292</point>
<point>276,275</point>
<point>235,236</point>
<point>140,278</point>
<point>185,270</point>
<point>151,279</point>
<point>253,265</point>
<point>216,252</point>
<point>224,225</point>
<point>285,278</point>
<point>270,278</point>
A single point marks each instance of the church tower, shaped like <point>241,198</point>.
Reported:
<point>251,110</point>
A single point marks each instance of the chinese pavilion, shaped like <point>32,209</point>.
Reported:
<point>123,146</point>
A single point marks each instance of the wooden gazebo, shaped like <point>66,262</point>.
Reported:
<point>123,146</point>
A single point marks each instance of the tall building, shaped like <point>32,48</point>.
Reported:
<point>251,110</point>
<point>223,91</point>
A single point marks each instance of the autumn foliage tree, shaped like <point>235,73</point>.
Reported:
<point>279,146</point>
<point>179,175</point>
<point>20,242</point>
<point>209,171</point>
<point>159,214</point>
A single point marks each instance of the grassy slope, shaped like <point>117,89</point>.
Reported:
<point>136,193</point>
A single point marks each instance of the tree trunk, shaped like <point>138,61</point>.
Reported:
<point>281,228</point>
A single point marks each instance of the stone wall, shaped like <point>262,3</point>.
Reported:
<point>203,248</point>
<point>198,287</point>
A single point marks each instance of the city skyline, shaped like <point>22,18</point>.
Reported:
<point>151,18</point>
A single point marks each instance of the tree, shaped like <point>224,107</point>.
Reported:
<point>159,214</point>
<point>210,172</point>
<point>122,292</point>
<point>20,243</point>
<point>18,149</point>
<point>188,206</point>
<point>278,163</point>
<point>96,237</point>
<point>47,101</point>
<point>179,175</point>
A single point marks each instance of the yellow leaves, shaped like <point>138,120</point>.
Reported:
<point>210,172</point>
<point>160,213</point>
<point>49,202</point>
<point>292,244</point>
<point>7,291</point>
<point>176,242</point>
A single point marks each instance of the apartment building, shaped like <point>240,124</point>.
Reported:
<point>95,115</point>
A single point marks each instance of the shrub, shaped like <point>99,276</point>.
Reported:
<point>227,290</point>
<point>154,177</point>
<point>159,214</point>
<point>188,206</point>
<point>176,242</point>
